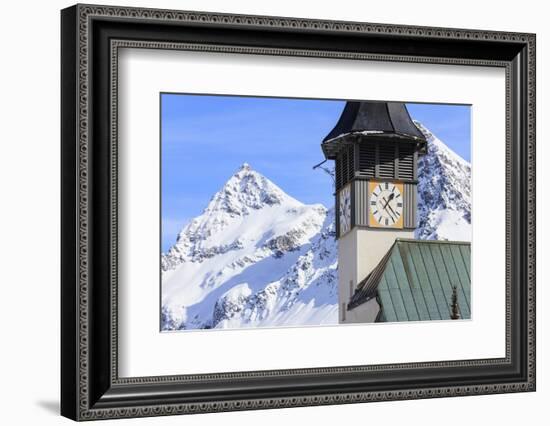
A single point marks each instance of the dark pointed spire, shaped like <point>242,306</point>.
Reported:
<point>372,119</point>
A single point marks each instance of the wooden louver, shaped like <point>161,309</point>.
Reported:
<point>375,160</point>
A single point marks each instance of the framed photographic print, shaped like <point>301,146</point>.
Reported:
<point>263,212</point>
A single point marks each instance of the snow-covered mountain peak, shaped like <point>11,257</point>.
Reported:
<point>427,133</point>
<point>436,144</point>
<point>248,216</point>
<point>247,190</point>
<point>244,167</point>
<point>444,192</point>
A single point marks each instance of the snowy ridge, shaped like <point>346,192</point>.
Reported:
<point>258,257</point>
<point>444,193</point>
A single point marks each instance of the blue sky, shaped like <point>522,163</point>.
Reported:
<point>204,139</point>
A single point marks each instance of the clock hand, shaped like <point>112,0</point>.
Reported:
<point>395,214</point>
<point>389,199</point>
<point>387,205</point>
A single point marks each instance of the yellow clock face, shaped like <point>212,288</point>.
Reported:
<point>385,204</point>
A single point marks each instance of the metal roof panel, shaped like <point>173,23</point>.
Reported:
<point>414,281</point>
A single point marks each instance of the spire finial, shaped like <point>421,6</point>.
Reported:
<point>455,313</point>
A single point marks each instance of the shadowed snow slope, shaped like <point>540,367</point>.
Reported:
<point>258,257</point>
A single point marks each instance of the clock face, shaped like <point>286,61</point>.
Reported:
<point>386,204</point>
<point>344,209</point>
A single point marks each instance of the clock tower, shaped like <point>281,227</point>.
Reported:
<point>376,147</point>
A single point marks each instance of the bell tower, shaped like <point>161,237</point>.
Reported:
<point>376,147</point>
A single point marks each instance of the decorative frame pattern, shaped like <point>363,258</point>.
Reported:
<point>91,388</point>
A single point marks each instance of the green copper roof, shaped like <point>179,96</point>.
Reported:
<point>414,281</point>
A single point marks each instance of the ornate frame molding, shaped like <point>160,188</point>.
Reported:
<point>110,397</point>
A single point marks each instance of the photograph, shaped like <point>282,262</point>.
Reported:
<point>267,209</point>
<point>283,212</point>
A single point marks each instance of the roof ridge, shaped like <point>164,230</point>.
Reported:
<point>413,240</point>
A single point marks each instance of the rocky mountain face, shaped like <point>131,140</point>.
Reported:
<point>444,193</point>
<point>256,257</point>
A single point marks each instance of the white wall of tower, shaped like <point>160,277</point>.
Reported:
<point>359,251</point>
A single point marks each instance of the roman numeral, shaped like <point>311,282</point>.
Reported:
<point>386,221</point>
<point>386,185</point>
<point>373,203</point>
<point>399,204</point>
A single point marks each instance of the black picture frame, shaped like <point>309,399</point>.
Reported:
<point>90,386</point>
